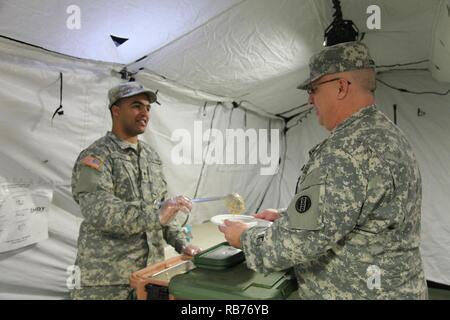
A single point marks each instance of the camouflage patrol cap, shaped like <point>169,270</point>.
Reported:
<point>341,57</point>
<point>129,89</point>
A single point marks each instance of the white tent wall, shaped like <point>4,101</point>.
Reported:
<point>441,44</point>
<point>185,109</point>
<point>38,151</point>
<point>40,271</point>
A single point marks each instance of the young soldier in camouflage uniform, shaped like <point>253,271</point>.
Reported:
<point>352,230</point>
<point>116,182</point>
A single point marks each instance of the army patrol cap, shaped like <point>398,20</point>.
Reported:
<point>129,89</point>
<point>341,57</point>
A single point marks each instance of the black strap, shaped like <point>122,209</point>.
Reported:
<point>58,110</point>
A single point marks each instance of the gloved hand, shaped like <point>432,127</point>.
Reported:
<point>171,207</point>
<point>191,250</point>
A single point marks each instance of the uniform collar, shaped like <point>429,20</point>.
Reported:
<point>121,143</point>
<point>354,117</point>
<point>316,148</point>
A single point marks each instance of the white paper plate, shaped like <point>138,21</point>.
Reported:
<point>249,220</point>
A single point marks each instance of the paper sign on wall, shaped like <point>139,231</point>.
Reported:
<point>23,215</point>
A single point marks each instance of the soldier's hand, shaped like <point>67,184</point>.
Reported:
<point>171,207</point>
<point>268,214</point>
<point>191,250</point>
<point>233,231</point>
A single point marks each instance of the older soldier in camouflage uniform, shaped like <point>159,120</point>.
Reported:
<point>352,230</point>
<point>116,182</point>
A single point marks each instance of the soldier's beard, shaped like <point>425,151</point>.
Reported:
<point>133,130</point>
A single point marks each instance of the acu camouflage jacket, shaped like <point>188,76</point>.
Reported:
<point>116,183</point>
<point>352,230</point>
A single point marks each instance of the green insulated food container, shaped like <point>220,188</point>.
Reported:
<point>219,257</point>
<point>221,274</point>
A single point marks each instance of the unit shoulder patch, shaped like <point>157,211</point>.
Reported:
<point>303,204</point>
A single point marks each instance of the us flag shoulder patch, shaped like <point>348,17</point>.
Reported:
<point>92,162</point>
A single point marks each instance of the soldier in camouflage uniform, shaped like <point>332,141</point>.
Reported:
<point>352,230</point>
<point>116,182</point>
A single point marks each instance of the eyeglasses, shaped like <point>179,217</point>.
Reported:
<point>311,89</point>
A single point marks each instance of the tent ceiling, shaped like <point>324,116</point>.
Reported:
<point>254,50</point>
<point>258,51</point>
<point>148,24</point>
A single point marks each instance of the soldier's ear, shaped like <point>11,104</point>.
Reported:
<point>115,110</point>
<point>342,89</point>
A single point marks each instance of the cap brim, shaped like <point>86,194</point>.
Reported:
<point>150,94</point>
<point>305,84</point>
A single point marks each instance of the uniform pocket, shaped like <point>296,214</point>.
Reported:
<point>124,176</point>
<point>156,179</point>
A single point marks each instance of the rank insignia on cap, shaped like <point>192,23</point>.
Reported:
<point>303,204</point>
<point>92,162</point>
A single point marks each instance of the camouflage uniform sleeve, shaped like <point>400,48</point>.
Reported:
<point>93,190</point>
<point>325,210</point>
<point>174,236</point>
